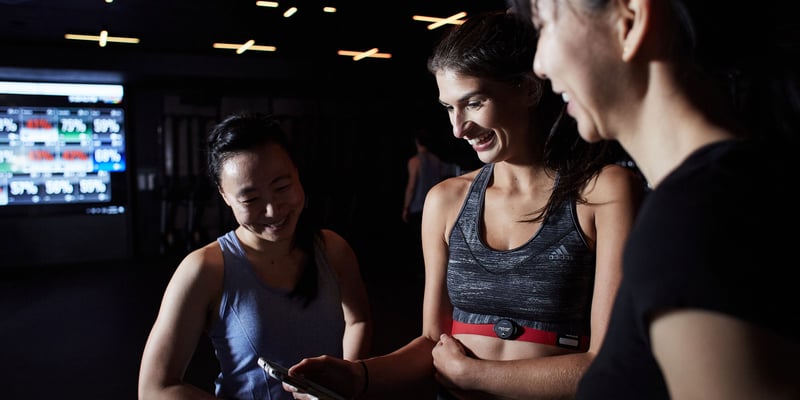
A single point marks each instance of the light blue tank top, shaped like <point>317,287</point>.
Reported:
<point>546,283</point>
<point>257,320</point>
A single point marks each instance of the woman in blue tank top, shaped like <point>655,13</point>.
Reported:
<point>275,287</point>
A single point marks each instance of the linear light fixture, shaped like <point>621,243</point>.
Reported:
<point>329,9</point>
<point>289,12</point>
<point>358,55</point>
<point>454,19</point>
<point>102,39</point>
<point>272,4</point>
<point>241,48</point>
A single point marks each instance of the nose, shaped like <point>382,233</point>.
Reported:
<point>538,68</point>
<point>459,122</point>
<point>269,210</point>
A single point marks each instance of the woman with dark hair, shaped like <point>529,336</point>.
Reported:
<point>523,255</point>
<point>704,97</point>
<point>277,286</point>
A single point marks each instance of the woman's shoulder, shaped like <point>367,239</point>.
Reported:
<point>339,253</point>
<point>454,187</point>
<point>331,239</point>
<point>334,245</point>
<point>202,268</point>
<point>612,182</point>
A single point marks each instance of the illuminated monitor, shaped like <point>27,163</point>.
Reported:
<point>60,143</point>
<point>64,186</point>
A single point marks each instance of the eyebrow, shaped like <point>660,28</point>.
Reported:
<point>247,189</point>
<point>465,97</point>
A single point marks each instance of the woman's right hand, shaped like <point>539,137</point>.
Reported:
<point>341,376</point>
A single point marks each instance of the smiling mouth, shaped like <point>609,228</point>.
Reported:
<point>278,224</point>
<point>480,139</point>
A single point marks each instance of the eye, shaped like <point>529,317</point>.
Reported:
<point>475,104</point>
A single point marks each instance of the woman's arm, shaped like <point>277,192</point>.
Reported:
<point>709,355</point>
<point>357,339</point>
<point>408,371</point>
<point>181,320</point>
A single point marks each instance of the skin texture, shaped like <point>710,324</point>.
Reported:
<point>262,188</point>
<point>474,366</point>
<point>622,83</point>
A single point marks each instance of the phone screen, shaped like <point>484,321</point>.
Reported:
<point>281,373</point>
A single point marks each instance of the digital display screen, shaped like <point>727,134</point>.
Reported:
<point>60,143</point>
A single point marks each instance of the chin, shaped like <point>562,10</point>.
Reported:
<point>590,134</point>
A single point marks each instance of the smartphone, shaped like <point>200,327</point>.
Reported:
<point>281,373</point>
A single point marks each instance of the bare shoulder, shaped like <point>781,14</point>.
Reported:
<point>612,183</point>
<point>333,241</point>
<point>338,252</point>
<point>203,266</point>
<point>450,191</point>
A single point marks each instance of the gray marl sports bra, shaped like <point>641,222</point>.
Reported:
<point>545,284</point>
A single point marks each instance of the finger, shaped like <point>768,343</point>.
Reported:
<point>289,388</point>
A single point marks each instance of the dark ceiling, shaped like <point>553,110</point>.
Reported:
<point>177,35</point>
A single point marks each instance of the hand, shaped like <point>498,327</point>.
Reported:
<point>297,394</point>
<point>339,375</point>
<point>451,360</point>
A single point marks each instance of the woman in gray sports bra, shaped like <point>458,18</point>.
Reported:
<point>523,255</point>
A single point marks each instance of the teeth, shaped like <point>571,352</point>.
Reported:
<point>278,223</point>
<point>479,139</point>
<point>565,97</point>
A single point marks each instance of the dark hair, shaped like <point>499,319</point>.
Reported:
<point>247,131</point>
<point>499,46</point>
<point>748,53</point>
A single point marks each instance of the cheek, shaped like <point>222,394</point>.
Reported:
<point>245,215</point>
<point>297,199</point>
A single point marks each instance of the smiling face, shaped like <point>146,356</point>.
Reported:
<point>492,116</point>
<point>263,189</point>
<point>578,54</point>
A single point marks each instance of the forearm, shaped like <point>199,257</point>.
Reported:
<point>554,377</point>
<point>406,370</point>
<point>180,391</point>
<point>357,340</point>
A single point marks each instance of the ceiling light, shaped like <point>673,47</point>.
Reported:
<point>329,9</point>
<point>272,4</point>
<point>241,48</point>
<point>358,55</point>
<point>454,19</point>
<point>288,13</point>
<point>102,39</point>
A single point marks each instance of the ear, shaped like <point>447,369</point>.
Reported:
<point>633,24</point>
<point>534,90</point>
<point>222,194</point>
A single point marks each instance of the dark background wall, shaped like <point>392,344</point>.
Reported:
<point>355,123</point>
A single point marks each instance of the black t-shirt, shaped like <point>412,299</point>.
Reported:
<point>710,236</point>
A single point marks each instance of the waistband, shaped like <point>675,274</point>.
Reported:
<point>509,330</point>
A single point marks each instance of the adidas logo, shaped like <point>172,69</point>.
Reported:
<point>560,253</point>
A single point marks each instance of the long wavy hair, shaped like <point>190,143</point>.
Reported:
<point>500,46</point>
